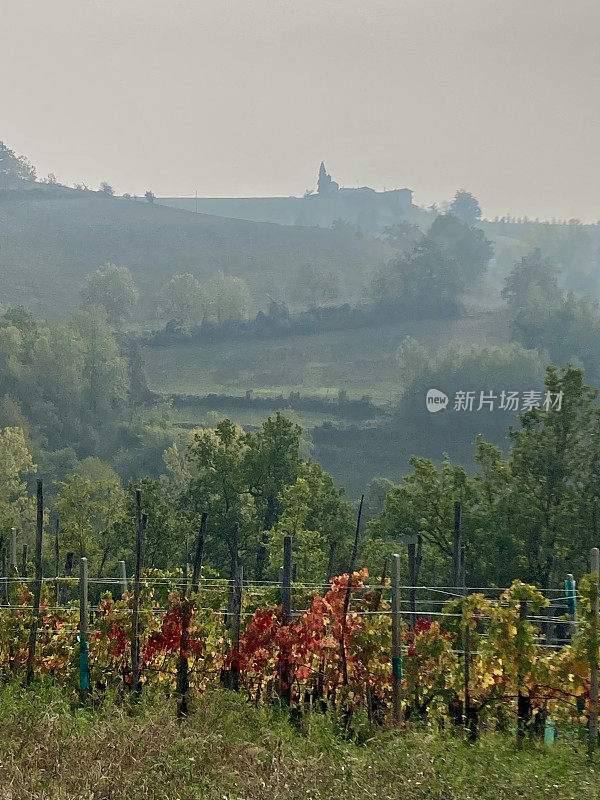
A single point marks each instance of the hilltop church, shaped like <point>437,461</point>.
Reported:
<point>364,208</point>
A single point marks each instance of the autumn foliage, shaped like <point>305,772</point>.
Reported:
<point>510,669</point>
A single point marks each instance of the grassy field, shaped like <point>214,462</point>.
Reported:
<point>361,362</point>
<point>228,750</point>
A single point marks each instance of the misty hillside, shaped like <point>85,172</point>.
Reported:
<point>51,237</point>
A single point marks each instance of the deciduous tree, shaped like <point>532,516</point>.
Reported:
<point>112,288</point>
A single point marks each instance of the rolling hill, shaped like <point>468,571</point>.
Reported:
<point>51,237</point>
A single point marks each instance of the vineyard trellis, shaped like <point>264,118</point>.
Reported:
<point>464,656</point>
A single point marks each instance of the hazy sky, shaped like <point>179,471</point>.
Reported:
<point>245,97</point>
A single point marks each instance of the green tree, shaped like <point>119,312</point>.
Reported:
<point>497,368</point>
<point>13,168</point>
<point>12,416</point>
<point>104,370</point>
<point>331,515</point>
<point>227,298</point>
<point>184,300</point>
<point>218,485</point>
<point>570,248</point>
<point>314,286</point>
<point>11,351</point>
<point>21,318</point>
<point>569,330</point>
<point>533,281</point>
<point>308,546</point>
<point>413,359</point>
<point>169,535</point>
<point>403,235</point>
<point>495,553</point>
<point>112,288</point>
<point>543,460</point>
<point>320,522</point>
<point>375,494</point>
<point>466,246</point>
<point>423,506</point>
<point>58,362</point>
<point>90,505</point>
<point>465,207</point>
<point>77,510</point>
<point>424,280</point>
<point>272,462</point>
<point>17,509</point>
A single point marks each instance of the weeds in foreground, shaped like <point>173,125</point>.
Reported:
<point>50,750</point>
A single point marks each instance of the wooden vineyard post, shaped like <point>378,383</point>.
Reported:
<point>286,613</point>
<point>469,720</point>
<point>13,571</point>
<point>412,579</point>
<point>230,677</point>
<point>330,562</point>
<point>396,640</point>
<point>24,562</point>
<point>349,595</point>
<point>37,592</point>
<point>13,553</point>
<point>84,667</point>
<point>57,559</point>
<point>593,712</point>
<point>456,544</point>
<point>571,599</point>
<point>236,627</point>
<point>199,553</point>
<point>68,570</point>
<point>463,569</point>
<point>141,521</point>
<point>183,679</point>
<point>123,578</point>
<point>286,580</point>
<point>410,541</point>
<point>184,574</point>
<point>523,702</point>
<point>3,569</point>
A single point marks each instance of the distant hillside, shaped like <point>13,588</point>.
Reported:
<point>364,208</point>
<point>248,379</point>
<point>51,237</point>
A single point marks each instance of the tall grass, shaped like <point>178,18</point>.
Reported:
<point>229,749</point>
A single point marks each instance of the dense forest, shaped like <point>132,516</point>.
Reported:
<point>538,507</point>
<point>80,408</point>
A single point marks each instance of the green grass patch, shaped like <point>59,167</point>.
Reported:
<point>228,749</point>
<point>360,362</point>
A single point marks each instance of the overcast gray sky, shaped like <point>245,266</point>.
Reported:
<point>245,97</point>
